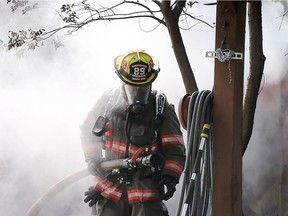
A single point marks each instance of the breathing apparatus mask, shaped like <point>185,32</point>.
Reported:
<point>137,69</point>
<point>137,97</point>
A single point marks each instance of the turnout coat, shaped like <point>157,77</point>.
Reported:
<point>140,184</point>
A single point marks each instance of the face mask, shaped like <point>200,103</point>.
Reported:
<point>137,97</point>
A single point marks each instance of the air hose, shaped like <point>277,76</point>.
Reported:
<point>196,192</point>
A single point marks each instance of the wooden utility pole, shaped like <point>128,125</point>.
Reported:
<point>228,103</point>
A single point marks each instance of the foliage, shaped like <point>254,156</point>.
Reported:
<point>72,15</point>
<point>15,4</point>
<point>77,15</point>
<point>17,39</point>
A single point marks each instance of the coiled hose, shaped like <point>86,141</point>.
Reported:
<point>196,192</point>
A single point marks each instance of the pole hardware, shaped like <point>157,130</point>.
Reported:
<point>224,54</point>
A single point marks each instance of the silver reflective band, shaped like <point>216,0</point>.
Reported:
<point>184,210</point>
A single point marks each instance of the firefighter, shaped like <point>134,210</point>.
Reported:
<point>133,122</point>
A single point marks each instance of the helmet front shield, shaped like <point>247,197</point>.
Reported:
<point>136,68</point>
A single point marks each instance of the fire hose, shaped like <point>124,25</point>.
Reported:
<point>55,189</point>
<point>152,160</point>
<point>196,192</point>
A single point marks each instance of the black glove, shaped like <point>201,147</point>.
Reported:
<point>170,183</point>
<point>95,168</point>
<point>92,196</point>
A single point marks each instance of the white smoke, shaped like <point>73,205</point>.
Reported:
<point>45,95</point>
<point>262,161</point>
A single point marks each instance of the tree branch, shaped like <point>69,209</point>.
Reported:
<point>178,8</point>
<point>142,5</point>
<point>200,20</point>
<point>165,7</point>
<point>157,3</point>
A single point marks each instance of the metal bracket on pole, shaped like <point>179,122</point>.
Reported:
<point>224,54</point>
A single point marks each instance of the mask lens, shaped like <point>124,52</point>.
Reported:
<point>137,94</point>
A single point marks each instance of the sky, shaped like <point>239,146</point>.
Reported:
<point>46,94</point>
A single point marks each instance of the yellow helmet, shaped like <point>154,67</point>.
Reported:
<point>136,67</point>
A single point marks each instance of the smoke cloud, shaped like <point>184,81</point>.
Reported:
<point>46,94</point>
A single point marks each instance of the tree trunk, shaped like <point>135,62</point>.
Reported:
<point>172,18</point>
<point>257,60</point>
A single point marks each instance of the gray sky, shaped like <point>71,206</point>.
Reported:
<point>45,94</point>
